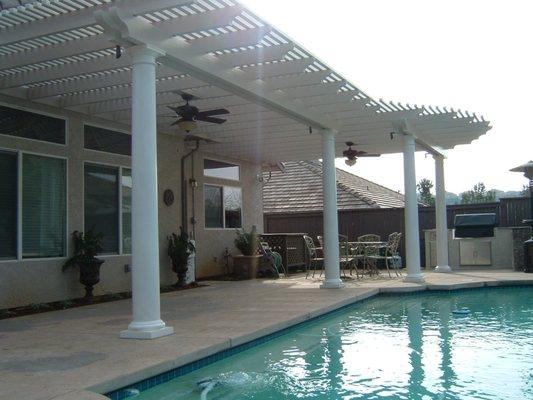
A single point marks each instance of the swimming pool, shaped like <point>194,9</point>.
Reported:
<point>472,344</point>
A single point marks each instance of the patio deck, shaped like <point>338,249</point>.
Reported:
<point>64,355</point>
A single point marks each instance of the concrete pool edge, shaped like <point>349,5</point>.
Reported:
<point>152,371</point>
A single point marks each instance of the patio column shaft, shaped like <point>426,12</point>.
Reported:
<point>147,323</point>
<point>331,222</point>
<point>440,217</point>
<point>412,239</point>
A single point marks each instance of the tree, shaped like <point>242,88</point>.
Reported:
<point>525,191</point>
<point>478,194</point>
<point>424,192</point>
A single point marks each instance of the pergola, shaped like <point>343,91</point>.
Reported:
<point>285,105</point>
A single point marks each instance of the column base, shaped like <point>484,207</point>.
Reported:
<point>146,330</point>
<point>414,278</point>
<point>443,268</point>
<point>332,284</point>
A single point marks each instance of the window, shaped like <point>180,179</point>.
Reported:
<point>8,205</point>
<point>232,207</point>
<point>106,140</point>
<point>43,206</point>
<point>106,211</point>
<point>101,204</point>
<point>30,125</point>
<point>220,169</point>
<point>213,207</point>
<point>223,206</point>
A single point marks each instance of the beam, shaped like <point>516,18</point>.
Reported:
<point>185,57</point>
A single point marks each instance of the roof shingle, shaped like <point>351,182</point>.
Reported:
<point>299,189</point>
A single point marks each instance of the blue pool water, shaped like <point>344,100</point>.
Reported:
<point>474,344</point>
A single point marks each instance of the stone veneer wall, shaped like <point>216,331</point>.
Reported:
<point>520,235</point>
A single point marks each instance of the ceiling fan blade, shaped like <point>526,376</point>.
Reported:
<point>369,155</point>
<point>218,111</point>
<point>176,122</point>
<point>175,109</point>
<point>213,120</point>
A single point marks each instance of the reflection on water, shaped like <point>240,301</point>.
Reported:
<point>386,348</point>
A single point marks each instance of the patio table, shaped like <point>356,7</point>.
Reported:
<point>380,245</point>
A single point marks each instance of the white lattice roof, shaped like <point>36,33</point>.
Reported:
<point>56,53</point>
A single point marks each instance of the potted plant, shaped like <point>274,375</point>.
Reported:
<point>247,264</point>
<point>86,246</point>
<point>180,247</point>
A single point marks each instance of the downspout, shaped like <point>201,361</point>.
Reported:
<point>193,185</point>
<point>184,221</point>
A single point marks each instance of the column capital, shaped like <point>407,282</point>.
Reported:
<point>328,132</point>
<point>145,53</point>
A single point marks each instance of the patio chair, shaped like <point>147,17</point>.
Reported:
<point>368,251</point>
<point>271,261</point>
<point>312,255</point>
<point>371,256</point>
<point>357,255</point>
<point>370,237</point>
<point>388,253</point>
<point>346,256</point>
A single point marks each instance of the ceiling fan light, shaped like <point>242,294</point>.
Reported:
<point>350,161</point>
<point>187,125</point>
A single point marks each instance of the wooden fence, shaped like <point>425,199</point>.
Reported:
<point>383,221</point>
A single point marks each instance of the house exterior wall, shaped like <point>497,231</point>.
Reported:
<point>42,280</point>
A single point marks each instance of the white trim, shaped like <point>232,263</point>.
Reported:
<point>103,126</point>
<point>19,206</point>
<point>224,161</point>
<point>46,114</point>
<point>108,153</point>
<point>223,228</point>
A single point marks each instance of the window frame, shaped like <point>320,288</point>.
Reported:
<point>20,172</point>
<point>46,114</point>
<point>223,161</point>
<point>224,228</point>
<point>120,168</point>
<point>86,123</point>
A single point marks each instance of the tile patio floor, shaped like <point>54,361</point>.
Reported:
<point>67,355</point>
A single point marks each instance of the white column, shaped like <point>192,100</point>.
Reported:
<point>331,223</point>
<point>412,239</point>
<point>440,217</point>
<point>147,323</point>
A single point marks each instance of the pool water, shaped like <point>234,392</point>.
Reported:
<point>473,344</point>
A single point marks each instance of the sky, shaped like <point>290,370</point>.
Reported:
<point>476,55</point>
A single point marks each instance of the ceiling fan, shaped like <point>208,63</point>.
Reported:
<point>352,155</point>
<point>188,115</point>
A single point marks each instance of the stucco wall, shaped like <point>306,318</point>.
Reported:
<point>210,256</point>
<point>36,281</point>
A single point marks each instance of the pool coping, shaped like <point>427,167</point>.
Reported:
<point>153,375</point>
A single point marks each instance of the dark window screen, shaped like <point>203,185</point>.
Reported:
<point>101,204</point>
<point>29,125</point>
<point>8,205</point>
<point>106,140</point>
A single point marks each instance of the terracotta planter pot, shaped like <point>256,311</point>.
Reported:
<point>89,276</point>
<point>246,267</point>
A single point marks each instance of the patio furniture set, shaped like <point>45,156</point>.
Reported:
<point>362,255</point>
<point>299,251</point>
